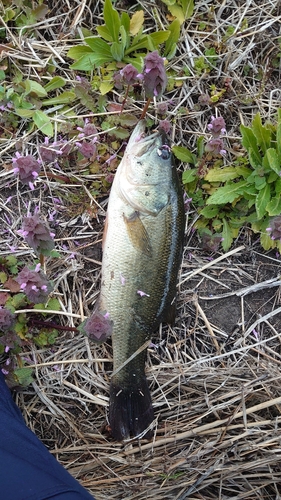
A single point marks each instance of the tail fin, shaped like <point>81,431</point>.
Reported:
<point>130,410</point>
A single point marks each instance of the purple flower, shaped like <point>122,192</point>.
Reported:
<point>37,235</point>
<point>27,168</point>
<point>186,202</point>
<point>49,152</point>
<point>165,125</point>
<point>162,108</point>
<point>98,327</point>
<point>34,284</point>
<point>130,74</point>
<point>215,146</point>
<point>89,129</point>
<point>275,228</point>
<point>118,80</point>
<point>217,126</point>
<point>210,242</point>
<point>87,149</point>
<point>7,319</point>
<point>155,78</point>
<point>204,99</point>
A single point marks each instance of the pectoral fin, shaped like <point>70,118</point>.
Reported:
<point>137,233</point>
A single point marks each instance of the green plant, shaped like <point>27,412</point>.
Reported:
<point>25,98</point>
<point>244,193</point>
<point>181,9</point>
<point>120,39</point>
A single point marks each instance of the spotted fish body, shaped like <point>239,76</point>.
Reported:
<point>142,251</point>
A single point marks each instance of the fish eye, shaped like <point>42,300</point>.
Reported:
<point>164,152</point>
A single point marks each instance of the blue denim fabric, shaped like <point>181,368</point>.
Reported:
<point>27,470</point>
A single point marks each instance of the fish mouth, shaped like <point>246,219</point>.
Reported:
<point>141,143</point>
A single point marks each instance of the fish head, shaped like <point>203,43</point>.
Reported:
<point>145,173</point>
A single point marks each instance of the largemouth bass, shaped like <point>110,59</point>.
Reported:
<point>142,251</point>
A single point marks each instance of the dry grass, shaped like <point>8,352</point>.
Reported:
<point>215,377</point>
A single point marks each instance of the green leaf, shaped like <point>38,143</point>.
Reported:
<point>128,120</point>
<point>104,33</point>
<point>125,39</point>
<point>278,135</point>
<point>200,146</point>
<point>183,154</point>
<point>262,200</point>
<point>55,83</point>
<point>43,123</point>
<point>169,2</point>
<point>143,43</point>
<point>274,206</point>
<point>79,51</point>
<point>227,194</point>
<point>177,11</point>
<point>100,47</point>
<point>23,376</point>
<point>227,236</point>
<point>187,8</point>
<point>135,61</point>
<point>89,61</point>
<point>273,160</point>
<point>3,277</point>
<point>260,182</point>
<point>24,113</point>
<point>34,88</point>
<point>53,305</point>
<point>262,134</point>
<point>106,87</point>
<point>189,176</point>
<point>112,20</point>
<point>173,39</point>
<point>125,21</point>
<point>85,98</point>
<point>63,98</point>
<point>221,174</point>
<point>210,212</point>
<point>159,37</point>
<point>249,142</point>
<point>117,51</point>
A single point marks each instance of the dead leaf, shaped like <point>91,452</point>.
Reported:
<point>136,22</point>
<point>12,285</point>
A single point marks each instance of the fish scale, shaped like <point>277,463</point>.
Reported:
<point>142,251</point>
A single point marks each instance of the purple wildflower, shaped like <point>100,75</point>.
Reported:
<point>217,126</point>
<point>98,327</point>
<point>49,152</point>
<point>162,108</point>
<point>7,319</point>
<point>34,284</point>
<point>87,149</point>
<point>210,242</point>
<point>130,74</point>
<point>27,168</point>
<point>155,78</point>
<point>204,99</point>
<point>88,130</point>
<point>165,125</point>
<point>37,234</point>
<point>215,146</point>
<point>275,228</point>
<point>186,202</point>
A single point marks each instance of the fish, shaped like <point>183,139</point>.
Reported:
<point>142,253</point>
